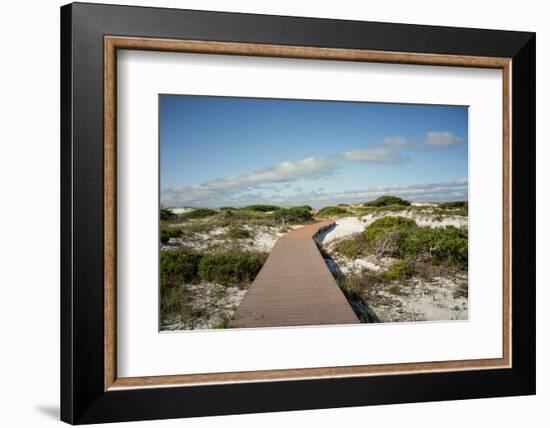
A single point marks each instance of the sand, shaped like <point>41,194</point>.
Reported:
<point>181,210</point>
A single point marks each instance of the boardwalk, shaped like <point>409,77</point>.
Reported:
<point>294,287</point>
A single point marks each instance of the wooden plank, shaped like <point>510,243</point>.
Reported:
<point>294,287</point>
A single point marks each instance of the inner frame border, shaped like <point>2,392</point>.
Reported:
<point>113,43</point>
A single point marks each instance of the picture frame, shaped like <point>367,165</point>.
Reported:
<point>91,391</point>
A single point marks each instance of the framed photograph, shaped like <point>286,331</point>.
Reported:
<point>266,213</point>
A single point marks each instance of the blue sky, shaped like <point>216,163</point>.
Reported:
<point>220,151</point>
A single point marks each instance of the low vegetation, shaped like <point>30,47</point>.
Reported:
<point>384,201</point>
<point>296,215</point>
<point>237,232</point>
<point>203,220</point>
<point>182,265</point>
<point>166,214</point>
<point>400,237</point>
<point>388,230</point>
<point>232,218</point>
<point>453,205</point>
<point>332,211</point>
<point>198,214</point>
<point>261,208</point>
<point>176,300</point>
<point>209,256</point>
<point>458,208</point>
<point>353,246</point>
<point>399,270</point>
<point>230,268</point>
<point>448,244</point>
<point>178,266</point>
<point>166,234</point>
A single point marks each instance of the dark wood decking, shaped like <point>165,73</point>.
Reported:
<point>294,287</point>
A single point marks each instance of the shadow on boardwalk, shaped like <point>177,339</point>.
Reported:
<point>295,287</point>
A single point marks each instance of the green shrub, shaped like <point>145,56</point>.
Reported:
<point>361,211</point>
<point>166,214</point>
<point>454,204</point>
<point>401,237</point>
<point>356,286</point>
<point>166,234</point>
<point>178,266</point>
<point>399,270</point>
<point>236,232</point>
<point>459,208</point>
<point>448,244</point>
<point>230,267</point>
<point>230,217</point>
<point>293,215</point>
<point>387,233</point>
<point>261,208</point>
<point>352,247</point>
<point>198,213</point>
<point>331,211</point>
<point>350,286</point>
<point>384,201</point>
<point>384,235</point>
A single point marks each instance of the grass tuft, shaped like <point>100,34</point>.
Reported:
<point>237,232</point>
<point>198,213</point>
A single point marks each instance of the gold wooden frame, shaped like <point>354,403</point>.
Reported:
<point>113,43</point>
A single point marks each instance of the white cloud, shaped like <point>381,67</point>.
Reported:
<point>395,142</point>
<point>284,172</point>
<point>384,151</point>
<point>390,149</point>
<point>210,192</point>
<point>425,192</point>
<point>442,139</point>
<point>276,184</point>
